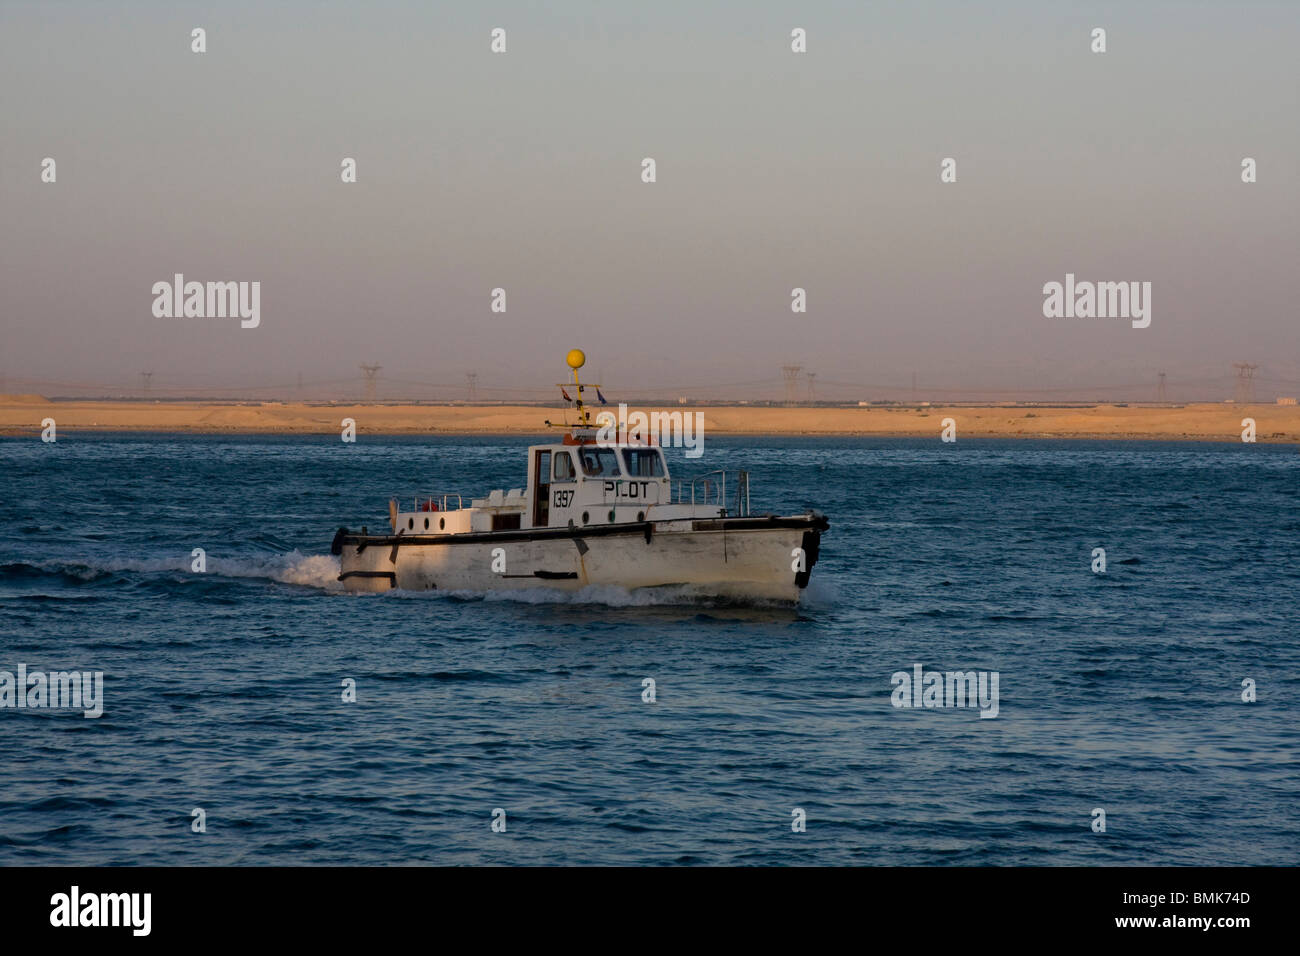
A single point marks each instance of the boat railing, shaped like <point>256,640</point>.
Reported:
<point>429,502</point>
<point>728,490</point>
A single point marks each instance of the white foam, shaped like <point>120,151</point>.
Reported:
<point>309,570</point>
<point>822,591</point>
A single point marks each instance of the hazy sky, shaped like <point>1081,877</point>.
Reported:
<point>775,170</point>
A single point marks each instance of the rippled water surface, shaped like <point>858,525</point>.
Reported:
<point>1119,691</point>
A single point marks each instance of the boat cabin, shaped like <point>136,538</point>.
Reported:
<point>578,482</point>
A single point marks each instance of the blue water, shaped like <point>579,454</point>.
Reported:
<point>223,690</point>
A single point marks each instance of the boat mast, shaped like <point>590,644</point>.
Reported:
<point>576,359</point>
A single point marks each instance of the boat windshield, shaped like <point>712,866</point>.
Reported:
<point>599,461</point>
<point>643,463</point>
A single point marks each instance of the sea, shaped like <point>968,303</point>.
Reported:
<point>1147,712</point>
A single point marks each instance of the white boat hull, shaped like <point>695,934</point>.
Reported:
<point>765,558</point>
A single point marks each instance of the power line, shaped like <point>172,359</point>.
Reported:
<point>791,375</point>
<point>792,378</point>
<point>371,372</point>
<point>1245,393</point>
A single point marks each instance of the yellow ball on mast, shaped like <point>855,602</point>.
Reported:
<point>576,359</point>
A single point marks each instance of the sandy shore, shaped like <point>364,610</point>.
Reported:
<point>22,415</point>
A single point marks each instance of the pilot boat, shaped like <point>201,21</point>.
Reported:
<point>593,512</point>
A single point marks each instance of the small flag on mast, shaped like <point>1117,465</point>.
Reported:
<point>600,396</point>
<point>565,394</point>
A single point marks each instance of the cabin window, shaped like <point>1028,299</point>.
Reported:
<point>564,470</point>
<point>643,462</point>
<point>597,462</point>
